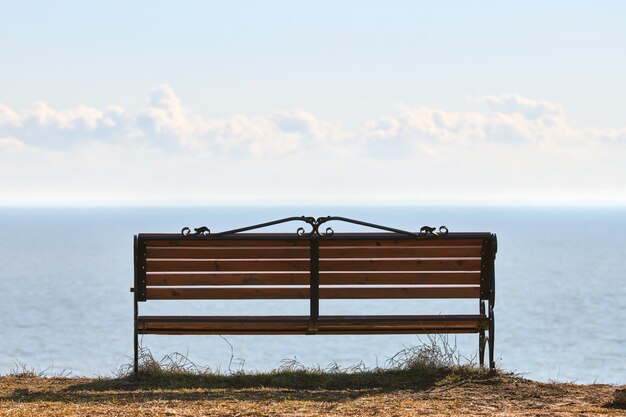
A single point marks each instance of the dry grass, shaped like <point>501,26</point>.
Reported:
<point>434,360</point>
<point>296,394</point>
<point>427,380</point>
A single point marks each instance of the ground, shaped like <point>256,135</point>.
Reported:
<point>279,394</point>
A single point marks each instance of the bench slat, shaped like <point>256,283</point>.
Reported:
<point>177,293</point>
<point>237,278</point>
<point>227,253</point>
<point>399,251</point>
<point>160,265</point>
<point>156,293</point>
<point>444,264</point>
<point>403,292</point>
<point>392,278</point>
<point>326,319</point>
<point>303,252</point>
<point>301,331</point>
<point>452,264</point>
<point>326,278</point>
<point>237,242</point>
<point>415,242</point>
<point>304,325</point>
<point>300,324</point>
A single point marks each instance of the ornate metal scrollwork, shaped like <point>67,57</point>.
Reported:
<point>315,227</point>
<point>315,224</point>
<point>204,231</point>
<point>427,230</point>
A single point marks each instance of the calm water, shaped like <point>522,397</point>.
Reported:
<point>560,306</point>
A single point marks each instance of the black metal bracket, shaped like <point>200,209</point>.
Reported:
<point>140,269</point>
<point>316,223</point>
<point>484,271</point>
<point>492,294</point>
<point>487,270</point>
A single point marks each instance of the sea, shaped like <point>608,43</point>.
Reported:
<point>66,308</point>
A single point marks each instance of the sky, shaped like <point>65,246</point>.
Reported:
<point>395,102</point>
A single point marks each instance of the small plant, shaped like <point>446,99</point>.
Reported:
<point>22,371</point>
<point>434,353</point>
<point>172,364</point>
<point>290,365</point>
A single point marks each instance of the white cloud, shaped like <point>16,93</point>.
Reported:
<point>167,123</point>
<point>532,109</point>
<point>515,148</point>
<point>283,132</point>
<point>10,144</point>
<point>9,117</point>
<point>43,126</point>
<point>511,120</point>
<point>167,116</point>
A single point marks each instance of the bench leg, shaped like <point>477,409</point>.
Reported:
<point>136,341</point>
<point>492,337</point>
<point>481,349</point>
<point>482,341</point>
<point>136,360</point>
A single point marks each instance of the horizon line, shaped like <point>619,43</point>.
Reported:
<point>314,203</point>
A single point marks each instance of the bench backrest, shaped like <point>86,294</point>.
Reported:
<point>289,266</point>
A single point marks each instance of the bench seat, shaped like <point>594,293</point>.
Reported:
<point>387,324</point>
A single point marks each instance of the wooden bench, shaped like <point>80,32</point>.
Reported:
<point>313,265</point>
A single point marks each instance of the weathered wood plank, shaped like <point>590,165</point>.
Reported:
<point>229,243</point>
<point>227,253</point>
<point>400,251</point>
<point>207,265</point>
<point>417,242</point>
<point>300,324</point>
<point>447,264</point>
<point>178,293</point>
<point>302,278</point>
<point>198,265</point>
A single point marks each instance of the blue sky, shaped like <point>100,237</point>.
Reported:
<point>382,102</point>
